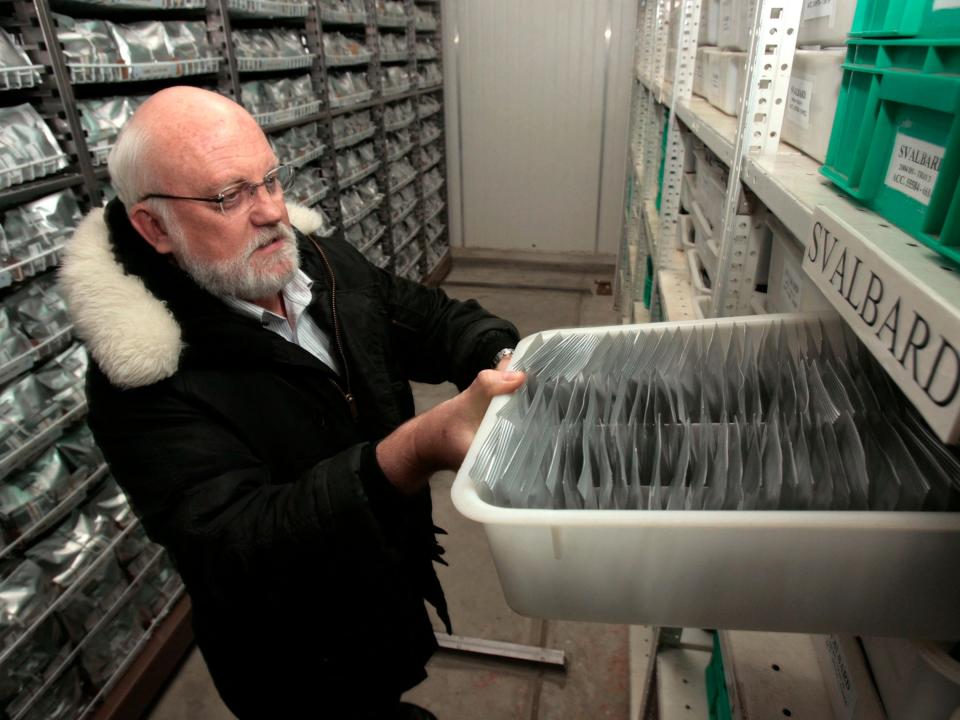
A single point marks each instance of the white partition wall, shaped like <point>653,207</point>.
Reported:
<point>538,97</point>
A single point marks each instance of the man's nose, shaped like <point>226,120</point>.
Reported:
<point>267,207</point>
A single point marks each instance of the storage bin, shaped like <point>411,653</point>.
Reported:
<point>685,233</point>
<point>698,274</point>
<point>704,242</point>
<point>711,189</point>
<point>700,72</point>
<point>853,696</point>
<point>914,679</point>
<point>709,22</point>
<point>906,18</point>
<point>790,571</point>
<point>812,100</point>
<point>895,145</point>
<point>788,287</point>
<point>735,23</point>
<point>826,22</point>
<point>726,79</point>
<point>687,186</point>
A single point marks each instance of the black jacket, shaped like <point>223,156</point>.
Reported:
<point>242,455</point>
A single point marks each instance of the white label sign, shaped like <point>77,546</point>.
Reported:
<point>818,8</point>
<point>841,671</point>
<point>799,96</point>
<point>791,285</point>
<point>914,166</point>
<point>945,5</point>
<point>914,334</point>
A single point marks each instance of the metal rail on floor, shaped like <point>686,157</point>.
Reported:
<point>532,654</point>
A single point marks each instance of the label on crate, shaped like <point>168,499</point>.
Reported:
<point>798,101</point>
<point>842,676</point>
<point>912,332</point>
<point>945,5</point>
<point>914,166</point>
<point>791,285</point>
<point>813,9</point>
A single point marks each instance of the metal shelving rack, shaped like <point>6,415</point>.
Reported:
<point>141,673</point>
<point>916,282</point>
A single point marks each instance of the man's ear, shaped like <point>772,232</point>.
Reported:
<point>152,227</point>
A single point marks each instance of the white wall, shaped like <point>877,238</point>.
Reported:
<point>526,118</point>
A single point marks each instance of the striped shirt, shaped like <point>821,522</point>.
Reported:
<point>301,329</point>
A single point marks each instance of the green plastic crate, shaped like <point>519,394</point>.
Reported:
<point>906,18</point>
<point>895,146</point>
<point>718,700</point>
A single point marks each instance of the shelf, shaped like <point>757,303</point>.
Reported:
<point>433,163</point>
<point>428,113</point>
<point>271,120</point>
<point>400,186</point>
<point>36,445</point>
<point>676,294</point>
<point>348,140</point>
<point>358,176</point>
<point>268,64</point>
<point>346,60</point>
<point>266,8</point>
<point>342,17</point>
<point>348,101</point>
<point>409,266</point>
<point>42,350</point>
<point>308,157</point>
<point>372,241</point>
<point>402,215</point>
<point>391,22</point>
<point>145,4</point>
<point>431,86</point>
<point>716,129</point>
<point>434,213</point>
<point>681,684</point>
<point>400,124</point>
<point>82,73</point>
<point>406,241</point>
<point>394,57</point>
<point>354,219</point>
<point>30,171</point>
<point>393,157</point>
<point>7,277</point>
<point>19,194</point>
<point>18,78</point>
<point>316,197</point>
<point>390,92</point>
<point>439,273</point>
<point>56,514</point>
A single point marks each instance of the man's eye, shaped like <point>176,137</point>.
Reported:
<point>270,183</point>
<point>230,198</point>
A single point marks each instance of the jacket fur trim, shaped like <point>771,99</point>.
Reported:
<point>131,334</point>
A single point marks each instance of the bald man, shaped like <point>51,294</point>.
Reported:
<point>249,386</point>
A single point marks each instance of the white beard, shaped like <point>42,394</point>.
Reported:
<point>243,276</point>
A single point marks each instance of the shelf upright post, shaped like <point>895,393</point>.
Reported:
<point>318,74</point>
<point>410,8</point>
<point>380,138</point>
<point>688,30</point>
<point>769,62</point>
<point>55,94</point>
<point>218,26</point>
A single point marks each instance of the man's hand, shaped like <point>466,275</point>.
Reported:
<point>439,438</point>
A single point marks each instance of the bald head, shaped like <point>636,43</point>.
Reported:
<point>179,136</point>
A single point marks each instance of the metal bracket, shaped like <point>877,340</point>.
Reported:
<point>552,659</point>
<point>758,128</point>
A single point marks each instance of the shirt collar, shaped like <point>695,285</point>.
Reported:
<point>296,294</point>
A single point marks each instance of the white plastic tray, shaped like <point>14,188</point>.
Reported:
<point>269,64</point>
<point>802,571</point>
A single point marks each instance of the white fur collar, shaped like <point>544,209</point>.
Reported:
<point>131,334</point>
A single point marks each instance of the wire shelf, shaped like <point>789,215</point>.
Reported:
<point>372,241</point>
<point>434,213</point>
<point>277,117</point>
<point>34,446</point>
<point>410,265</point>
<point>145,4</point>
<point>391,21</point>
<point>16,78</point>
<point>400,153</point>
<point>393,56</point>
<point>401,185</point>
<point>32,170</point>
<point>343,16</point>
<point>269,64</point>
<point>428,112</point>
<point>431,138</point>
<point>350,100</point>
<point>10,274</point>
<point>357,217</point>
<point>430,86</point>
<point>81,73</point>
<point>316,197</point>
<point>353,139</point>
<point>430,55</point>
<point>396,89</point>
<point>432,163</point>
<point>400,124</point>
<point>359,175</point>
<point>433,237</point>
<point>407,240</point>
<point>426,26</point>
<point>308,157</point>
<point>383,262</point>
<point>28,359</point>
<point>341,60</point>
<point>267,8</point>
<point>401,215</point>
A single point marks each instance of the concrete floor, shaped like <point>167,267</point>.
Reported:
<point>595,684</point>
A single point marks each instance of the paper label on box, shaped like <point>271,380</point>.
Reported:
<point>813,9</point>
<point>914,166</point>
<point>945,5</point>
<point>914,334</point>
<point>715,78</point>
<point>791,285</point>
<point>798,101</point>
<point>841,672</point>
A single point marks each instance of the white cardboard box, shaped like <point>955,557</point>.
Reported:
<point>826,22</point>
<point>789,289</point>
<point>812,100</point>
<point>850,687</point>
<point>735,22</point>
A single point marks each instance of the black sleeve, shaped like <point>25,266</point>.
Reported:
<point>438,339</point>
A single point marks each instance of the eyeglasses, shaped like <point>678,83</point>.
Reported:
<point>239,197</point>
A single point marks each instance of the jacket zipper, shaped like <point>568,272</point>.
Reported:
<point>348,395</point>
